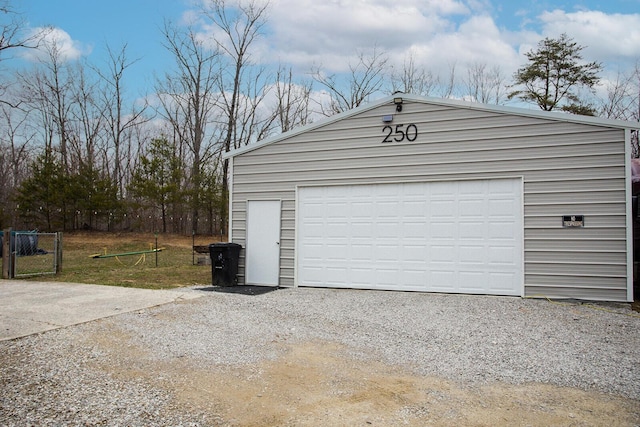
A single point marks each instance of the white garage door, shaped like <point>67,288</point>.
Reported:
<point>457,237</point>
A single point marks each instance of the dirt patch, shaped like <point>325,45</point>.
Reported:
<point>320,383</point>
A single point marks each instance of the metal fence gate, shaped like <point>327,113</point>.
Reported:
<point>34,253</point>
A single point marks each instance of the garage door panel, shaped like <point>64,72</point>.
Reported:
<point>443,230</point>
<point>338,252</point>
<point>362,230</point>
<point>388,229</point>
<point>470,281</point>
<point>442,252</point>
<point>442,209</point>
<point>461,236</point>
<point>361,252</point>
<point>362,276</point>
<point>414,209</point>
<point>470,208</point>
<point>504,258</point>
<point>501,281</point>
<point>501,208</point>
<point>472,230</point>
<point>442,281</point>
<point>314,229</point>
<point>412,228</point>
<point>472,254</point>
<point>414,253</point>
<point>501,230</point>
<point>387,253</point>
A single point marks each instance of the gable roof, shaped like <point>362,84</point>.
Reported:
<point>515,111</point>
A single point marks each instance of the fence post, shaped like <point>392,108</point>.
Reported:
<point>7,271</point>
<point>58,252</point>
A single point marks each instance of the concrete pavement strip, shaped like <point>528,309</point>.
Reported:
<point>28,307</point>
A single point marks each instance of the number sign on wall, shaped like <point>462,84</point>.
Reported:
<point>400,133</point>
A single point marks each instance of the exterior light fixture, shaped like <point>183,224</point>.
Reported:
<point>398,102</point>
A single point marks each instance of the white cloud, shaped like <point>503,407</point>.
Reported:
<point>437,33</point>
<point>606,36</point>
<point>477,40</point>
<point>55,40</point>
<point>332,32</point>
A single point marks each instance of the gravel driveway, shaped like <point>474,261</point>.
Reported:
<point>333,357</point>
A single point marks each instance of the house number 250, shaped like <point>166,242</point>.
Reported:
<point>399,133</point>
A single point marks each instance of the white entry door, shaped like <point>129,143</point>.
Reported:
<point>455,237</point>
<point>262,263</point>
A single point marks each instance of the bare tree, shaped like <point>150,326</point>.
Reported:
<point>87,125</point>
<point>292,99</point>
<point>119,120</point>
<point>15,153</point>
<point>364,79</point>
<point>240,26</point>
<point>188,98</point>
<point>623,97</point>
<point>448,89</point>
<point>623,102</point>
<point>48,89</point>
<point>12,36</point>
<point>18,138</point>
<point>12,26</point>
<point>485,85</point>
<point>252,123</point>
<point>414,80</point>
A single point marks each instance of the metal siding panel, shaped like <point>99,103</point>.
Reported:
<point>568,168</point>
<point>575,292</point>
<point>512,159</point>
<point>596,269</point>
<point>559,233</point>
<point>361,134</point>
<point>595,207</point>
<point>568,280</point>
<point>576,244</point>
<point>408,168</point>
<point>614,196</point>
<point>577,257</point>
<point>566,185</point>
<point>327,148</point>
<point>592,221</point>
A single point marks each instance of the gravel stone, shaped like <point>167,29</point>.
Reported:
<point>52,379</point>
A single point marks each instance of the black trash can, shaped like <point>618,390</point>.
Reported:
<point>224,263</point>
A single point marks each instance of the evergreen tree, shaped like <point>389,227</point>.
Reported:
<point>554,74</point>
<point>93,195</point>
<point>40,198</point>
<point>156,181</point>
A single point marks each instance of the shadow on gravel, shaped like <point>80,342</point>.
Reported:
<point>241,289</point>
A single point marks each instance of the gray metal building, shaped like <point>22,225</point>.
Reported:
<point>435,195</point>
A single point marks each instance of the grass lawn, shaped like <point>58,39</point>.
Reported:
<point>175,262</point>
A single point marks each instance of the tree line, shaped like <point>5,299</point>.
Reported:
<point>78,151</point>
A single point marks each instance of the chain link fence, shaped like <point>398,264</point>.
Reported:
<point>30,253</point>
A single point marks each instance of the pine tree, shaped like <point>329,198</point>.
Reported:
<point>553,76</point>
<point>156,181</point>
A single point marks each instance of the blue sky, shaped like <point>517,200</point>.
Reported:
<point>303,33</point>
<point>94,24</point>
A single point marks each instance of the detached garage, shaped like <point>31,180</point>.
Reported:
<point>439,196</point>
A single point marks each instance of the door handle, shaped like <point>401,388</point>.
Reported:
<point>277,243</point>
